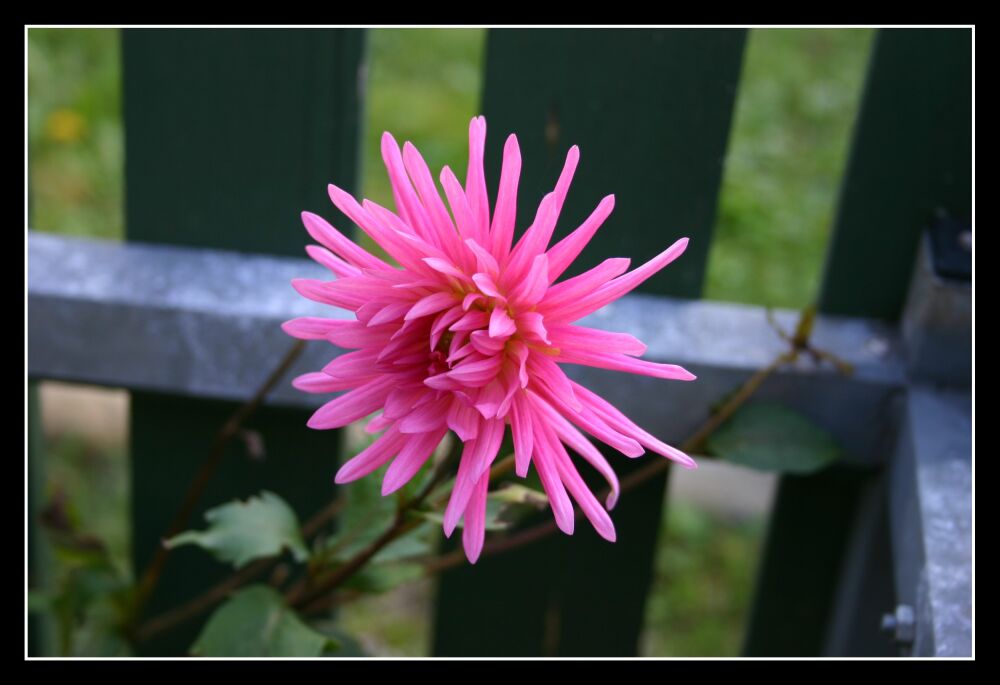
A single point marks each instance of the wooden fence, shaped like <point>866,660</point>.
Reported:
<point>231,132</point>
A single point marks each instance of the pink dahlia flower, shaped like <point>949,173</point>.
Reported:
<point>469,333</point>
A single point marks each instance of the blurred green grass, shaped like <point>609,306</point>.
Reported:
<point>799,93</point>
<point>794,111</point>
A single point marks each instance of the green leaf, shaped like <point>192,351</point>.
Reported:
<point>240,532</point>
<point>256,622</point>
<point>771,437</point>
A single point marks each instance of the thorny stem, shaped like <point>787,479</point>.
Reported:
<point>229,430</point>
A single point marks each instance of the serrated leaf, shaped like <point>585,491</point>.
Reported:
<point>240,532</point>
<point>256,622</point>
<point>772,437</point>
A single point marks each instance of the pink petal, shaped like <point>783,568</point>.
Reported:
<point>476,373</point>
<point>567,336</point>
<point>475,180</point>
<point>338,266</point>
<point>389,313</point>
<point>407,203</point>
<point>547,375</point>
<point>566,177</point>
<point>486,285</point>
<point>378,424</point>
<point>474,531</point>
<point>620,362</point>
<point>490,397</point>
<point>427,417</point>
<point>403,398</point>
<point>545,462</point>
<point>485,262</point>
<point>324,233</point>
<point>459,203</point>
<point>620,286</point>
<point>463,419</point>
<point>431,305</point>
<point>486,345</point>
<point>573,289</point>
<point>475,462</point>
<point>470,321</point>
<point>570,477</point>
<point>520,426</point>
<point>569,248</point>
<point>502,230</point>
<point>445,267</point>
<point>572,437</point>
<point>501,325</point>
<point>352,406</point>
<point>314,328</point>
<point>320,382</point>
<point>595,425</point>
<point>444,233</point>
<point>622,423</point>
<point>326,293</point>
<point>372,457</point>
<point>531,243</point>
<point>532,327</point>
<point>411,457</point>
<point>357,364</point>
<point>529,291</point>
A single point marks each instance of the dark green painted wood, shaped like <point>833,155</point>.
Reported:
<point>229,135</point>
<point>911,156</point>
<point>650,110</point>
<point>811,520</point>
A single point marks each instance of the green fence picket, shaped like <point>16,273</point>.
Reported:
<point>910,157</point>
<point>229,135</point>
<point>650,110</point>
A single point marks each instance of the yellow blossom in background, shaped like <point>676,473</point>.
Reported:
<point>65,125</point>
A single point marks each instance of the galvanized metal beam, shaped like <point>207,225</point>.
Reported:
<point>931,521</point>
<point>206,323</point>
